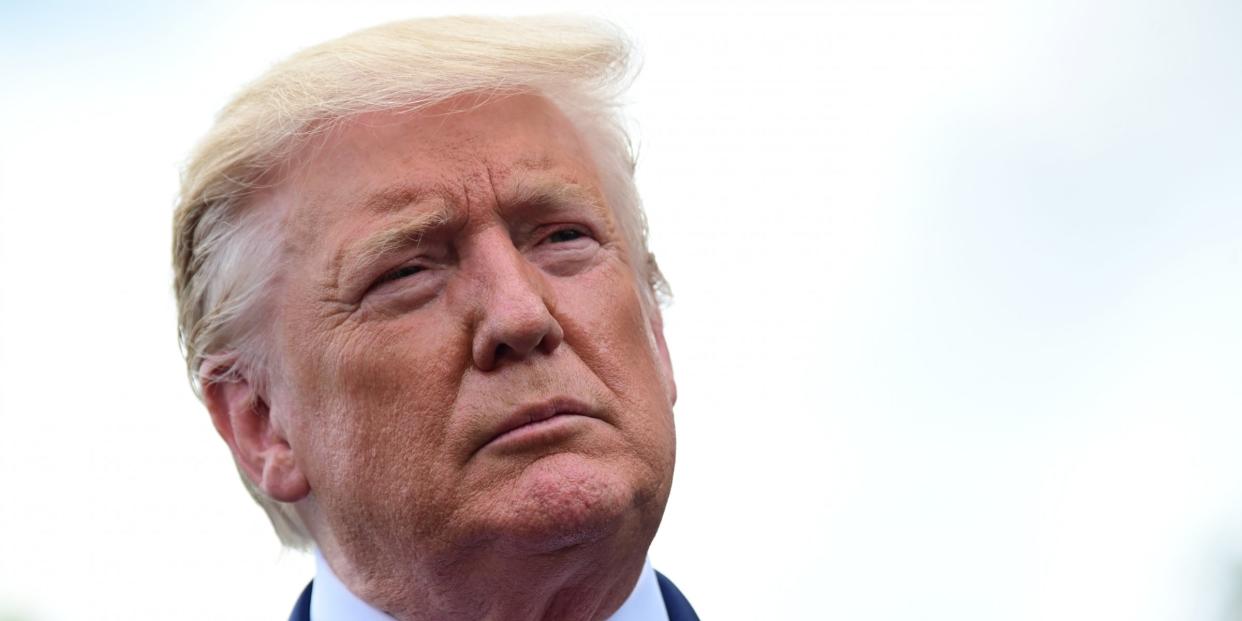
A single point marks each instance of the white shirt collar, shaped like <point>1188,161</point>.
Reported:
<point>331,601</point>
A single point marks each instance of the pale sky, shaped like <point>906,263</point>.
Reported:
<point>957,325</point>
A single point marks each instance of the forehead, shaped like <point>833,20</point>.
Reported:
<point>461,149</point>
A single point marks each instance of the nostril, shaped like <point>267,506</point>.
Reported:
<point>502,351</point>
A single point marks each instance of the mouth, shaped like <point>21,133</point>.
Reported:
<point>538,424</point>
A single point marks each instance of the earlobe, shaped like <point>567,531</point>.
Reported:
<point>242,417</point>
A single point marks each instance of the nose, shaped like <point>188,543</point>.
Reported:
<point>514,318</point>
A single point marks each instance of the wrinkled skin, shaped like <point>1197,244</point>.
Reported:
<point>403,356</point>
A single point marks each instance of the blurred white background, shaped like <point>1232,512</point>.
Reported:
<point>957,326</point>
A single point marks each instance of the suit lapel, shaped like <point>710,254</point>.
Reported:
<point>301,610</point>
<point>675,603</point>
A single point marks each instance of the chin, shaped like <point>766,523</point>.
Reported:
<point>567,500</point>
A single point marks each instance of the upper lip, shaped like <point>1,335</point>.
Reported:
<point>535,412</point>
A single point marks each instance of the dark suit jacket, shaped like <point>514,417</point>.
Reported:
<point>674,602</point>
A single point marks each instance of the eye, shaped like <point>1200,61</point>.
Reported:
<point>564,235</point>
<point>404,271</point>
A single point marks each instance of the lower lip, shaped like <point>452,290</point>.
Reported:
<point>538,434</point>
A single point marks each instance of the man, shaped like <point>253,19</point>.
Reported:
<point>416,299</point>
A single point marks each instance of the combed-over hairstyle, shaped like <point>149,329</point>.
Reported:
<point>224,254</point>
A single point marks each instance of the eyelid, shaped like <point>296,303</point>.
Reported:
<point>423,264</point>
<point>545,233</point>
<point>394,274</point>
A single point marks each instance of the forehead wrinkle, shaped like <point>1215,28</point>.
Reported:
<point>398,197</point>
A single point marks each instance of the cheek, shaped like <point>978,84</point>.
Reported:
<point>605,323</point>
<point>370,400</point>
<point>607,327</point>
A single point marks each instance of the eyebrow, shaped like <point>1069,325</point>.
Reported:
<point>433,210</point>
<point>551,193</point>
<point>436,208</point>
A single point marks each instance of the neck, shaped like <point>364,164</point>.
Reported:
<point>587,581</point>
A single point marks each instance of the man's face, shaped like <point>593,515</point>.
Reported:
<point>449,276</point>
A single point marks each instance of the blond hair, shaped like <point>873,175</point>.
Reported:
<point>223,253</point>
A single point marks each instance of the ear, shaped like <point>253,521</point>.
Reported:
<point>666,362</point>
<point>260,448</point>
